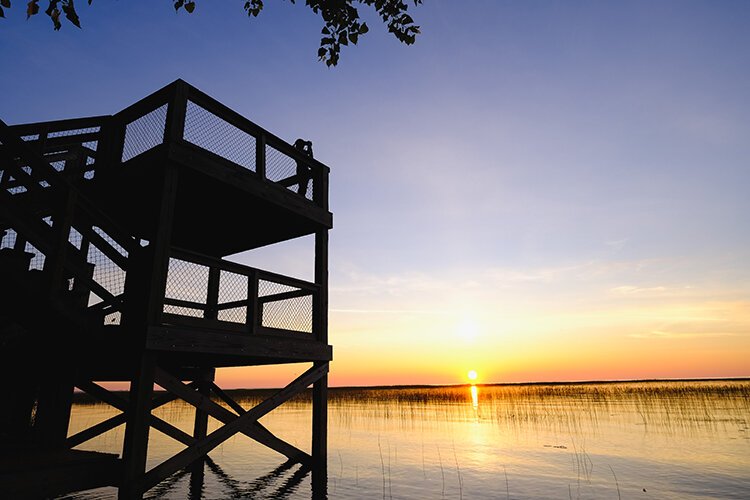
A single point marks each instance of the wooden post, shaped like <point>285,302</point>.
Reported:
<point>135,445</point>
<point>200,430</point>
<point>212,296</point>
<point>320,387</point>
<point>260,156</point>
<point>53,407</point>
<point>200,426</point>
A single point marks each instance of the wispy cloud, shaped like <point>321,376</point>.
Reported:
<point>634,290</point>
<point>391,311</point>
<point>667,335</point>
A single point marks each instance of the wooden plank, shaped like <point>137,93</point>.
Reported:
<point>231,305</point>
<point>168,301</point>
<point>59,125</point>
<point>214,439</point>
<point>254,315</point>
<point>320,302</point>
<point>179,320</point>
<point>95,430</point>
<point>212,294</point>
<point>171,431</point>
<point>227,399</point>
<point>104,246</point>
<point>320,420</point>
<point>175,120</point>
<point>284,296</point>
<point>288,334</point>
<point>260,156</point>
<point>179,339</point>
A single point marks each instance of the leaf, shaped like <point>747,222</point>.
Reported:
<point>321,53</point>
<point>32,8</point>
<point>178,4</point>
<point>55,16</point>
<point>353,37</point>
<point>325,30</point>
<point>5,3</point>
<point>190,7</point>
<point>363,29</point>
<point>71,14</point>
<point>2,14</point>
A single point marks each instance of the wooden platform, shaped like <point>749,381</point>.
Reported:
<point>35,474</point>
<point>112,231</point>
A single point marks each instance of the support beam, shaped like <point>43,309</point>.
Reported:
<point>121,404</point>
<point>253,430</point>
<point>136,432</point>
<point>200,425</point>
<point>214,439</point>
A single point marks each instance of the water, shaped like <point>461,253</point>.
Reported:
<point>675,440</point>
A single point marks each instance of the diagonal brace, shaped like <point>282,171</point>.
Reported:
<point>205,445</point>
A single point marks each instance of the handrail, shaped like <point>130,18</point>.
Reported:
<point>176,96</point>
<point>207,312</point>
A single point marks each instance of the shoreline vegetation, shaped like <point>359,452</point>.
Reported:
<point>725,385</point>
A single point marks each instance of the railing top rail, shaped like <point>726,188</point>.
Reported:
<point>234,267</point>
<point>147,104</point>
<point>59,125</point>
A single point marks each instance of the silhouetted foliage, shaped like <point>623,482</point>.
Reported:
<point>341,17</point>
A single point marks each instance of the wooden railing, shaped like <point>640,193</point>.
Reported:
<point>76,246</point>
<point>182,114</point>
<point>205,292</point>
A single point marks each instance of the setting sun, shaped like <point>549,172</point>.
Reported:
<point>472,375</point>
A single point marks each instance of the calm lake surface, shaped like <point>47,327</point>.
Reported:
<point>666,440</point>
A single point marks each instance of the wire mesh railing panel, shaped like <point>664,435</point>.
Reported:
<point>9,240</point>
<point>266,288</point>
<point>113,318</point>
<point>280,167</point>
<point>183,311</point>
<point>144,133</point>
<point>37,261</point>
<point>110,240</point>
<point>106,273</point>
<point>75,238</point>
<point>293,314</point>
<point>186,281</point>
<point>234,315</point>
<point>76,131</point>
<point>214,134</point>
<point>232,288</point>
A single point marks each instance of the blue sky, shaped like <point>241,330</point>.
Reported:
<point>529,176</point>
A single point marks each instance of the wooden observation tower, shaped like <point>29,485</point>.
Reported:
<point>114,230</point>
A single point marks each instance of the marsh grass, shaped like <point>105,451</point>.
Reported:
<point>669,406</point>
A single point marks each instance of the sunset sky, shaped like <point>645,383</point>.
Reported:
<point>535,190</point>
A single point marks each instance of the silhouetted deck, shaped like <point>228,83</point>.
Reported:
<point>113,230</point>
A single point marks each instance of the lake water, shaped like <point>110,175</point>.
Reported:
<point>665,440</point>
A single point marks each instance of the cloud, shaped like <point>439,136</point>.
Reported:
<point>634,290</point>
<point>661,334</point>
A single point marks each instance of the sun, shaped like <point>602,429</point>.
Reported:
<point>472,375</point>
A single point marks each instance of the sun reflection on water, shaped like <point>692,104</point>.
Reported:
<point>474,397</point>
